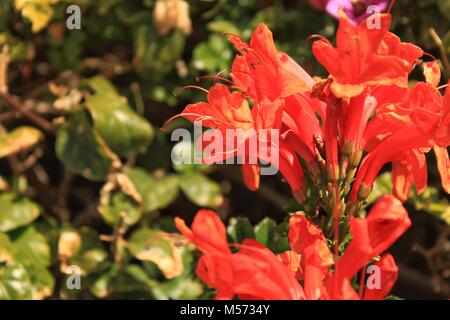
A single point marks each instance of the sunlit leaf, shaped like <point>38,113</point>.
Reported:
<point>39,12</point>
<point>18,140</point>
<point>90,256</point>
<point>159,248</point>
<point>201,190</point>
<point>122,128</point>
<point>156,193</point>
<point>81,149</point>
<point>16,211</point>
<point>33,251</point>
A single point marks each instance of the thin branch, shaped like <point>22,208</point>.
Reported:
<point>442,51</point>
<point>37,119</point>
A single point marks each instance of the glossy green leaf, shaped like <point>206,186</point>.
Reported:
<point>15,283</point>
<point>120,284</point>
<point>91,255</point>
<point>32,247</point>
<point>81,149</point>
<point>239,229</point>
<point>157,155</point>
<point>120,205</point>
<point>213,55</point>
<point>156,193</point>
<point>16,211</point>
<point>265,232</point>
<point>182,288</point>
<point>33,251</point>
<point>201,190</point>
<point>184,155</point>
<point>122,128</point>
<point>156,56</point>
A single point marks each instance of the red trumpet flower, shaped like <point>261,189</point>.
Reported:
<point>365,56</point>
<point>420,123</point>
<point>254,272</point>
<point>264,72</point>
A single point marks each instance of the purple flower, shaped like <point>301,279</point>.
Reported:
<point>356,10</point>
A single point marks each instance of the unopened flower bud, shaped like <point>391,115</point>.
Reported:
<point>364,191</point>
<point>355,158</point>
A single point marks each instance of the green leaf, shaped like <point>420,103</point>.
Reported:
<point>157,247</point>
<point>32,247</point>
<point>223,26</point>
<point>39,12</point>
<point>6,249</point>
<point>15,283</point>
<point>139,274</point>
<point>81,149</point>
<point>184,154</point>
<point>122,128</point>
<point>157,155</point>
<point>17,48</point>
<point>156,193</point>
<point>282,243</point>
<point>213,55</point>
<point>118,204</point>
<point>182,288</point>
<point>18,140</point>
<point>33,251</point>
<point>156,56</point>
<point>265,232</point>
<point>201,190</point>
<point>121,284</point>
<point>90,256</point>
<point>16,211</point>
<point>239,229</point>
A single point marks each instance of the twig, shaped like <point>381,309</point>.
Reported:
<point>37,119</point>
<point>442,51</point>
<point>9,115</point>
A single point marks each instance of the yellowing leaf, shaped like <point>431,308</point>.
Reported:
<point>157,247</point>
<point>68,244</point>
<point>18,140</point>
<point>39,12</point>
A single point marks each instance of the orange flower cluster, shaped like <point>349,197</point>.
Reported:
<point>336,134</point>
